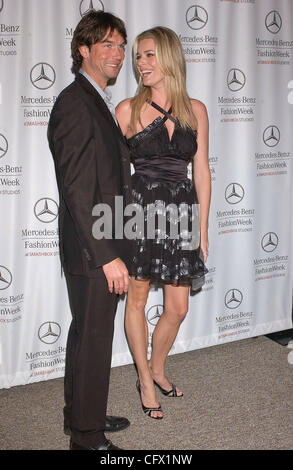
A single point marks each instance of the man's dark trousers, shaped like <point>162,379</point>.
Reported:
<point>88,356</point>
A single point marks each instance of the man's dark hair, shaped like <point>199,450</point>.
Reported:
<point>92,28</point>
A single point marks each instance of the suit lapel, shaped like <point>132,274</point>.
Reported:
<point>100,103</point>
<point>106,114</point>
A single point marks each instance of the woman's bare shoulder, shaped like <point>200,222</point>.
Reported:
<point>123,114</point>
<point>124,106</point>
<point>198,107</point>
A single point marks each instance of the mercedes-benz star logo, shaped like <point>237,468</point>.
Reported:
<point>90,5</point>
<point>234,193</point>
<point>43,75</point>
<point>46,210</point>
<point>235,79</point>
<point>196,17</point>
<point>49,332</point>
<point>3,145</point>
<point>5,278</point>
<point>154,313</point>
<point>273,22</point>
<point>1,5</point>
<point>233,298</point>
<point>269,242</point>
<point>271,136</point>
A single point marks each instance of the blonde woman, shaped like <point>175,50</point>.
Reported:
<point>165,130</point>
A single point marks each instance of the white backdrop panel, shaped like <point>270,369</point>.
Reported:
<point>239,63</point>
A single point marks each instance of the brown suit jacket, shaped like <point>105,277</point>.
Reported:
<point>92,166</point>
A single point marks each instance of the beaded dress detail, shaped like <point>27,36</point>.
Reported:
<point>160,181</point>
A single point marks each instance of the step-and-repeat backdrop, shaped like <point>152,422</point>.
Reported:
<point>239,56</point>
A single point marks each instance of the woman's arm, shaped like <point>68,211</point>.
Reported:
<point>202,177</point>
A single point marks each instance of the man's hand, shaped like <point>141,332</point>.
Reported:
<point>117,276</point>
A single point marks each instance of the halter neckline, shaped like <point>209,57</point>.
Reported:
<point>167,114</point>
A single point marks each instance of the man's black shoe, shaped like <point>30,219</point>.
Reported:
<point>113,424</point>
<point>116,423</point>
<point>106,445</point>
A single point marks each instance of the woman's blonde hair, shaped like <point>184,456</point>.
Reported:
<point>170,59</point>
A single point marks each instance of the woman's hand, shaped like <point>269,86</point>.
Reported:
<point>204,244</point>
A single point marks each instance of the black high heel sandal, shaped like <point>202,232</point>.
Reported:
<point>146,410</point>
<point>167,393</point>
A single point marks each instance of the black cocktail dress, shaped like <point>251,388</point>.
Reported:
<point>160,181</point>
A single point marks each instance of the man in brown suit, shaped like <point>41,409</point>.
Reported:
<point>92,166</point>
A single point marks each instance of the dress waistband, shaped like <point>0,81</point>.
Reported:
<point>164,168</point>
